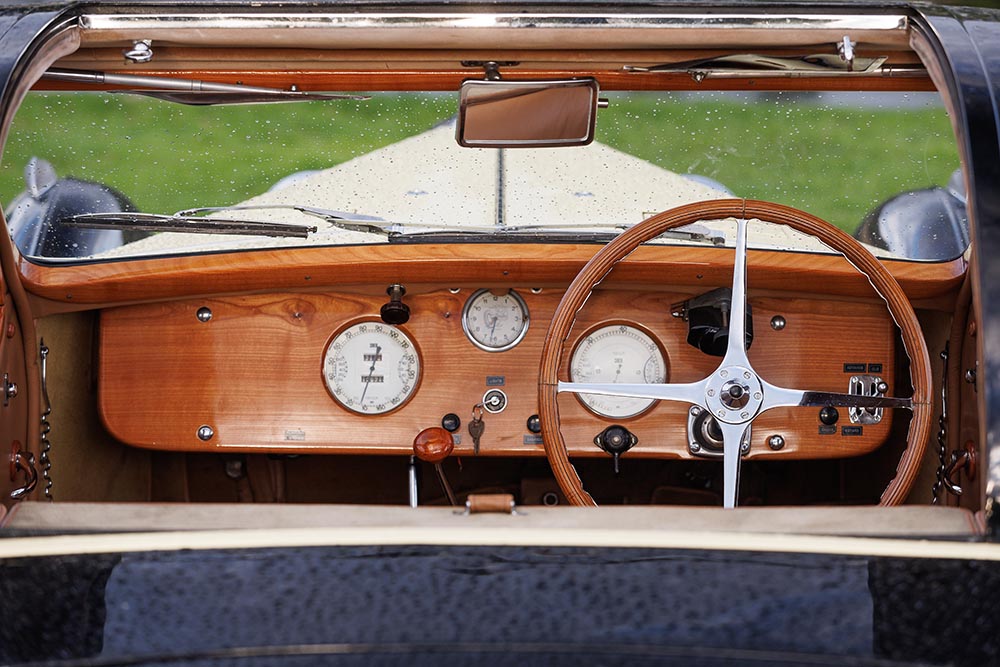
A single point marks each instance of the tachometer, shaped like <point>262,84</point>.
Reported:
<point>371,368</point>
<point>495,322</point>
<point>617,353</point>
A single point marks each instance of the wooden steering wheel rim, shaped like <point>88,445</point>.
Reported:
<point>607,257</point>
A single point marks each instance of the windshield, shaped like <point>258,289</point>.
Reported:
<point>855,159</point>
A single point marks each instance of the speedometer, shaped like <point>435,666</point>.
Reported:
<point>371,368</point>
<point>618,353</point>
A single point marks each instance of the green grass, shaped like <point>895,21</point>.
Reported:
<point>836,162</point>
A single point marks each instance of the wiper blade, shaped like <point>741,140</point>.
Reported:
<point>362,223</point>
<point>397,231</point>
<point>601,232</point>
<point>192,91</point>
<point>153,222</point>
<point>760,66</point>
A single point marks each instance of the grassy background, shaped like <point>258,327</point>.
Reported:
<point>835,160</point>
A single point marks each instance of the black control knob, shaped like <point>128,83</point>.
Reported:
<point>534,424</point>
<point>829,415</point>
<point>451,422</point>
<point>616,440</point>
<point>395,312</point>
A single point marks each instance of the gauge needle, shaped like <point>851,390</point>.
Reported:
<point>493,328</point>
<point>371,371</point>
<point>618,373</point>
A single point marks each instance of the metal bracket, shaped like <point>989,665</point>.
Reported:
<point>491,67</point>
<point>867,385</point>
<point>141,51</point>
<point>9,389</point>
<point>845,48</point>
<point>22,461</point>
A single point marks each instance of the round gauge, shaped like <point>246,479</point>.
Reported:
<point>371,368</point>
<point>617,353</point>
<point>495,322</point>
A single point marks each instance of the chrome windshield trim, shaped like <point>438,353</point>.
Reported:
<point>423,29</point>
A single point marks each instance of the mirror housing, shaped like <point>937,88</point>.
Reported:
<point>526,114</point>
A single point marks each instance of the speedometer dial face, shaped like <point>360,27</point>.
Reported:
<point>495,322</point>
<point>371,368</point>
<point>617,353</point>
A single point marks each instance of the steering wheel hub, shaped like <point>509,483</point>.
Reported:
<point>734,394</point>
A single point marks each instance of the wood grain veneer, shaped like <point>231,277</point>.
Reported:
<point>408,78</point>
<point>253,372</point>
<point>375,266</point>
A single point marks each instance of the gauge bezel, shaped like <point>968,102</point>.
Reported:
<point>526,318</point>
<point>613,323</point>
<point>416,349</point>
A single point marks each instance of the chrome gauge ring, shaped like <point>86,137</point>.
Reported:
<point>371,368</point>
<point>495,321</point>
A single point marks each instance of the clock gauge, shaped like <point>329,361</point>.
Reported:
<point>495,322</point>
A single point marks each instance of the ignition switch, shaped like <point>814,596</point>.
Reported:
<point>616,440</point>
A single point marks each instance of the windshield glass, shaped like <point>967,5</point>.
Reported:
<point>881,166</point>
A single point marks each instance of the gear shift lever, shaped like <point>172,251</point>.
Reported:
<point>433,445</point>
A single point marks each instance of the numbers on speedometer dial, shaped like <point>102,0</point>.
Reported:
<point>617,353</point>
<point>371,368</point>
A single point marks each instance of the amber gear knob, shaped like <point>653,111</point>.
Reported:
<point>433,445</point>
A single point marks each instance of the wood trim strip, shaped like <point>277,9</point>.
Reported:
<point>135,281</point>
<point>450,80</point>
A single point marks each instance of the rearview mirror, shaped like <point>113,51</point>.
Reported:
<point>527,114</point>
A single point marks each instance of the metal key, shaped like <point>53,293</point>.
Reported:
<point>476,428</point>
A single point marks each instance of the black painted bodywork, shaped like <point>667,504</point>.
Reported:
<point>429,605</point>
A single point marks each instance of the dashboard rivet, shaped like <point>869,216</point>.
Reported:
<point>204,314</point>
<point>695,410</point>
<point>694,446</point>
<point>757,395</point>
<point>746,375</point>
<point>744,415</point>
<point>776,442</point>
<point>711,392</point>
<point>455,290</point>
<point>205,432</point>
<point>724,374</point>
<point>721,413</point>
<point>745,447</point>
<point>536,290</point>
<point>778,322</point>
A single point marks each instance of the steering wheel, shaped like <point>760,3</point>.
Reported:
<point>735,394</point>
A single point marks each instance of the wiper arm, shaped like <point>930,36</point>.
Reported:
<point>399,230</point>
<point>747,65</point>
<point>336,218</point>
<point>192,91</point>
<point>153,222</point>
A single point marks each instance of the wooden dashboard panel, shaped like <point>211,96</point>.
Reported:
<point>253,373</point>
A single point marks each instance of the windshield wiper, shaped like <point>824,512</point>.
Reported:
<point>760,66</point>
<point>400,231</point>
<point>358,223</point>
<point>154,222</point>
<point>192,91</point>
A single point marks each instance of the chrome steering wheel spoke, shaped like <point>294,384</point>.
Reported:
<point>781,397</point>
<point>736,350</point>
<point>732,441</point>
<point>691,392</point>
